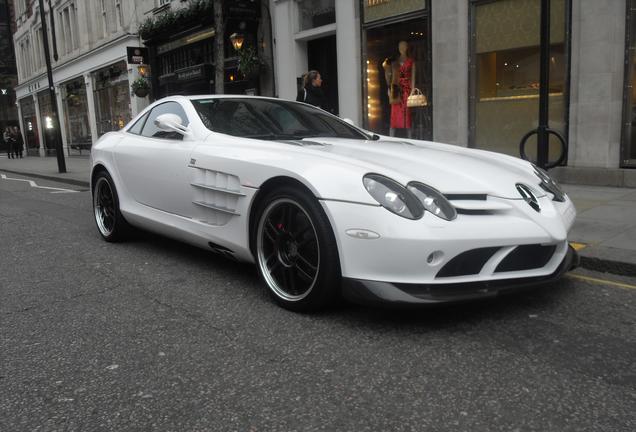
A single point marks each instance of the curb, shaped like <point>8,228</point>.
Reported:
<point>608,266</point>
<point>70,181</point>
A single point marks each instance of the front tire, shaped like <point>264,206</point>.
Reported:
<point>296,251</point>
<point>111,224</point>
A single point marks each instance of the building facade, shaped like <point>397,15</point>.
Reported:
<point>91,73</point>
<point>478,64</point>
<point>8,72</point>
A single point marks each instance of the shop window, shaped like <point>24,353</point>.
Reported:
<point>628,140</point>
<point>507,72</point>
<point>77,126</point>
<point>316,13</point>
<point>388,79</point>
<point>112,98</point>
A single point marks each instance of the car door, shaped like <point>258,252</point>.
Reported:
<point>153,163</point>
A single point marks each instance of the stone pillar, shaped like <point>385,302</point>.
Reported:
<point>290,56</point>
<point>62,119</point>
<point>90,102</point>
<point>349,62</point>
<point>449,20</point>
<point>596,83</point>
<point>38,121</point>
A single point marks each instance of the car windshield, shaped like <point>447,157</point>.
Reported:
<point>271,119</point>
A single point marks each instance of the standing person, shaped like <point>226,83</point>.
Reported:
<point>6,135</point>
<point>314,94</point>
<point>19,142</point>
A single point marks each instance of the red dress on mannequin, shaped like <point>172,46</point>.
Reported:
<point>400,113</point>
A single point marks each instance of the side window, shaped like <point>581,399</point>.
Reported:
<point>136,128</point>
<point>150,130</point>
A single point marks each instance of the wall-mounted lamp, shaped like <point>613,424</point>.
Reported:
<point>143,70</point>
<point>237,40</point>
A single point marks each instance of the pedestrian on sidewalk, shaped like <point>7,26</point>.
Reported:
<point>18,141</point>
<point>8,138</point>
<point>313,92</point>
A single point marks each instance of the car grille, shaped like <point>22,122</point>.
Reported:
<point>526,257</point>
<point>523,257</point>
<point>467,263</point>
<point>475,204</point>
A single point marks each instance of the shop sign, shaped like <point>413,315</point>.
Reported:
<point>193,73</point>
<point>379,9</point>
<point>137,55</point>
<point>4,91</point>
<point>186,40</point>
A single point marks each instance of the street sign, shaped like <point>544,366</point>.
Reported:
<point>137,55</point>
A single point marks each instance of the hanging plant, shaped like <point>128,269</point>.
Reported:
<point>173,21</point>
<point>140,87</point>
<point>249,63</point>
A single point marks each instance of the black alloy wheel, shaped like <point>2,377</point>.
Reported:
<point>110,223</point>
<point>296,251</point>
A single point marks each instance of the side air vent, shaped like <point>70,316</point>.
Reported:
<point>526,257</point>
<point>467,263</point>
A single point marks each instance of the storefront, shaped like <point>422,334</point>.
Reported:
<point>30,126</point>
<point>396,53</point>
<point>47,122</point>
<point>76,122</point>
<point>182,55</point>
<point>111,92</point>
<point>628,135</point>
<point>505,74</point>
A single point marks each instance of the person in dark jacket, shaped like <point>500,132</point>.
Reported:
<point>312,91</point>
<point>18,142</point>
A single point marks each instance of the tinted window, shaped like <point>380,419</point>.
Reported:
<point>136,128</point>
<point>271,119</point>
<point>150,130</point>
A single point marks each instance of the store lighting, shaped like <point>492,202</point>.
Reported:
<point>237,40</point>
<point>48,122</point>
<point>30,126</point>
<point>143,70</point>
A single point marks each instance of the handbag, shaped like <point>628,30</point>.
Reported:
<point>417,99</point>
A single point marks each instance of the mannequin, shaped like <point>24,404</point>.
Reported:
<point>402,80</point>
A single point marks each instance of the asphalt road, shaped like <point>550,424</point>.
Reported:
<point>153,335</point>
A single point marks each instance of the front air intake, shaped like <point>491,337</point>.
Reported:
<point>526,257</point>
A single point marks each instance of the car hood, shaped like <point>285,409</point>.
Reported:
<point>448,168</point>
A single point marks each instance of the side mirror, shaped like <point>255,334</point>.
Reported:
<point>171,122</point>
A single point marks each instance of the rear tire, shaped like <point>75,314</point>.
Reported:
<point>110,223</point>
<point>296,251</point>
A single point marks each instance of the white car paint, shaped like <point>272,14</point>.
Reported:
<point>201,190</point>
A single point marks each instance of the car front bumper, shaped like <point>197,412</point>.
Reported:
<point>376,292</point>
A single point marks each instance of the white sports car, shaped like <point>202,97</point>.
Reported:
<point>324,208</point>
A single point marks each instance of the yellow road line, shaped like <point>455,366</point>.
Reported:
<point>578,246</point>
<point>602,281</point>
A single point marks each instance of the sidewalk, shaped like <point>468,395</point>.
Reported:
<point>604,231</point>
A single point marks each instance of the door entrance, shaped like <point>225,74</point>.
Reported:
<point>322,56</point>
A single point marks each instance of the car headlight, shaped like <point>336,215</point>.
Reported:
<point>393,196</point>
<point>434,202</point>
<point>548,184</point>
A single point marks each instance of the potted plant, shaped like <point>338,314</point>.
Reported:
<point>140,87</point>
<point>249,63</point>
